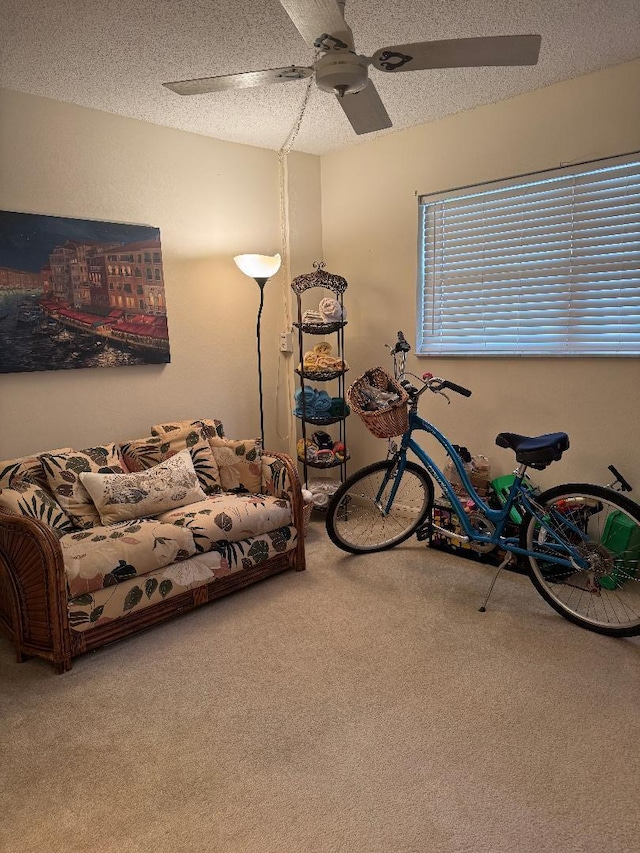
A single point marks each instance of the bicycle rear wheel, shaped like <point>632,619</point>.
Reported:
<point>355,518</point>
<point>601,589</point>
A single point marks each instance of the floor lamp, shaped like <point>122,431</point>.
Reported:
<point>260,268</point>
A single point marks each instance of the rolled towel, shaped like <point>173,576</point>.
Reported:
<point>323,486</point>
<point>320,499</point>
<point>322,404</point>
<point>306,395</point>
<point>305,399</point>
<point>331,310</point>
<point>338,407</point>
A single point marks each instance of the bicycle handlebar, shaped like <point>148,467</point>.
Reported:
<point>624,485</point>
<point>435,384</point>
<point>457,388</point>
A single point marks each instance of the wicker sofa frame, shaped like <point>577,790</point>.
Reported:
<point>33,589</point>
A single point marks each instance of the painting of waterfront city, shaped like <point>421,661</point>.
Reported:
<point>79,293</point>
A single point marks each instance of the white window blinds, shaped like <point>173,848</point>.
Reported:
<point>545,264</point>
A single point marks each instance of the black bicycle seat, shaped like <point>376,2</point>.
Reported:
<point>537,451</point>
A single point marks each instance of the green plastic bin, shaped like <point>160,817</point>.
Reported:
<point>622,537</point>
<point>502,486</point>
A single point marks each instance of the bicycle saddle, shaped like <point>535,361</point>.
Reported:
<point>537,451</point>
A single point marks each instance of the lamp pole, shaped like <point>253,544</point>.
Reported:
<point>260,268</point>
<point>261,283</point>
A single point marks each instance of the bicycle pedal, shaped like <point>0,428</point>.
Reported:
<point>424,531</point>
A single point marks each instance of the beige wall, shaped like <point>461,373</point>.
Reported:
<point>370,216</point>
<point>211,201</point>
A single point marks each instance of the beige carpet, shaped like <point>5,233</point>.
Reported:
<point>363,706</point>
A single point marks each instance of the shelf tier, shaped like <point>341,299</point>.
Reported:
<point>321,375</point>
<point>321,328</point>
<point>322,421</point>
<point>333,464</point>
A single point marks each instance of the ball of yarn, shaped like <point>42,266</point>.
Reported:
<point>307,450</point>
<point>322,439</point>
<point>325,457</point>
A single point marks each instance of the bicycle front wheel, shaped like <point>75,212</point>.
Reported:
<point>356,518</point>
<point>598,530</point>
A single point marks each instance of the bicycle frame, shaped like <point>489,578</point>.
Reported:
<point>498,517</point>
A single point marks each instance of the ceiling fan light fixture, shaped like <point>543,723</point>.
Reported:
<point>342,72</point>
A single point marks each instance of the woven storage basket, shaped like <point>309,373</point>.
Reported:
<point>306,515</point>
<point>385,423</point>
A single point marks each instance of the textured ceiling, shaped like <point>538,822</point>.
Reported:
<point>115,54</point>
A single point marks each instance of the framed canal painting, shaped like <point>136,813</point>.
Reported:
<point>79,293</point>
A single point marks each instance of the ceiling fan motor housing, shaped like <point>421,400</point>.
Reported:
<point>342,72</point>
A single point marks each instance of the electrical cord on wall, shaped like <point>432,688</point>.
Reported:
<point>283,174</point>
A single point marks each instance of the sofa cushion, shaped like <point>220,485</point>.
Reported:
<point>144,453</point>
<point>105,556</point>
<point>211,427</point>
<point>239,462</point>
<point>119,497</point>
<point>230,518</point>
<point>63,476</point>
<point>101,606</point>
<point>26,467</point>
<point>30,499</point>
<point>275,477</point>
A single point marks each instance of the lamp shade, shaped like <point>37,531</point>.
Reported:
<point>258,266</point>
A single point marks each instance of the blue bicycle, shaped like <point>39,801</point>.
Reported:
<point>581,542</point>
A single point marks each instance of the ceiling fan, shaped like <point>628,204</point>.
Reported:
<point>343,72</point>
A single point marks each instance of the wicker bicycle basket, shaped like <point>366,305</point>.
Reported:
<point>388,422</point>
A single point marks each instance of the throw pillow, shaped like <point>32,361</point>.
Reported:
<point>120,497</point>
<point>239,462</point>
<point>30,499</point>
<point>26,467</point>
<point>210,427</point>
<point>144,453</point>
<point>63,475</point>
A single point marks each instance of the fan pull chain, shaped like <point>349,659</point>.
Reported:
<point>283,153</point>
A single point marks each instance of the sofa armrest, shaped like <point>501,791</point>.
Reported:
<point>33,593</point>
<point>280,479</point>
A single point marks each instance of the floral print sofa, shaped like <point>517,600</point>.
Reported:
<point>99,543</point>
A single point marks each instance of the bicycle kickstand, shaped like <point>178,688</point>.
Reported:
<point>508,558</point>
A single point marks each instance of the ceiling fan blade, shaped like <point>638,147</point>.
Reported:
<point>459,53</point>
<point>320,23</point>
<point>365,110</point>
<point>239,81</point>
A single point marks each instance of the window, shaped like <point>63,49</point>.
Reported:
<point>543,264</point>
